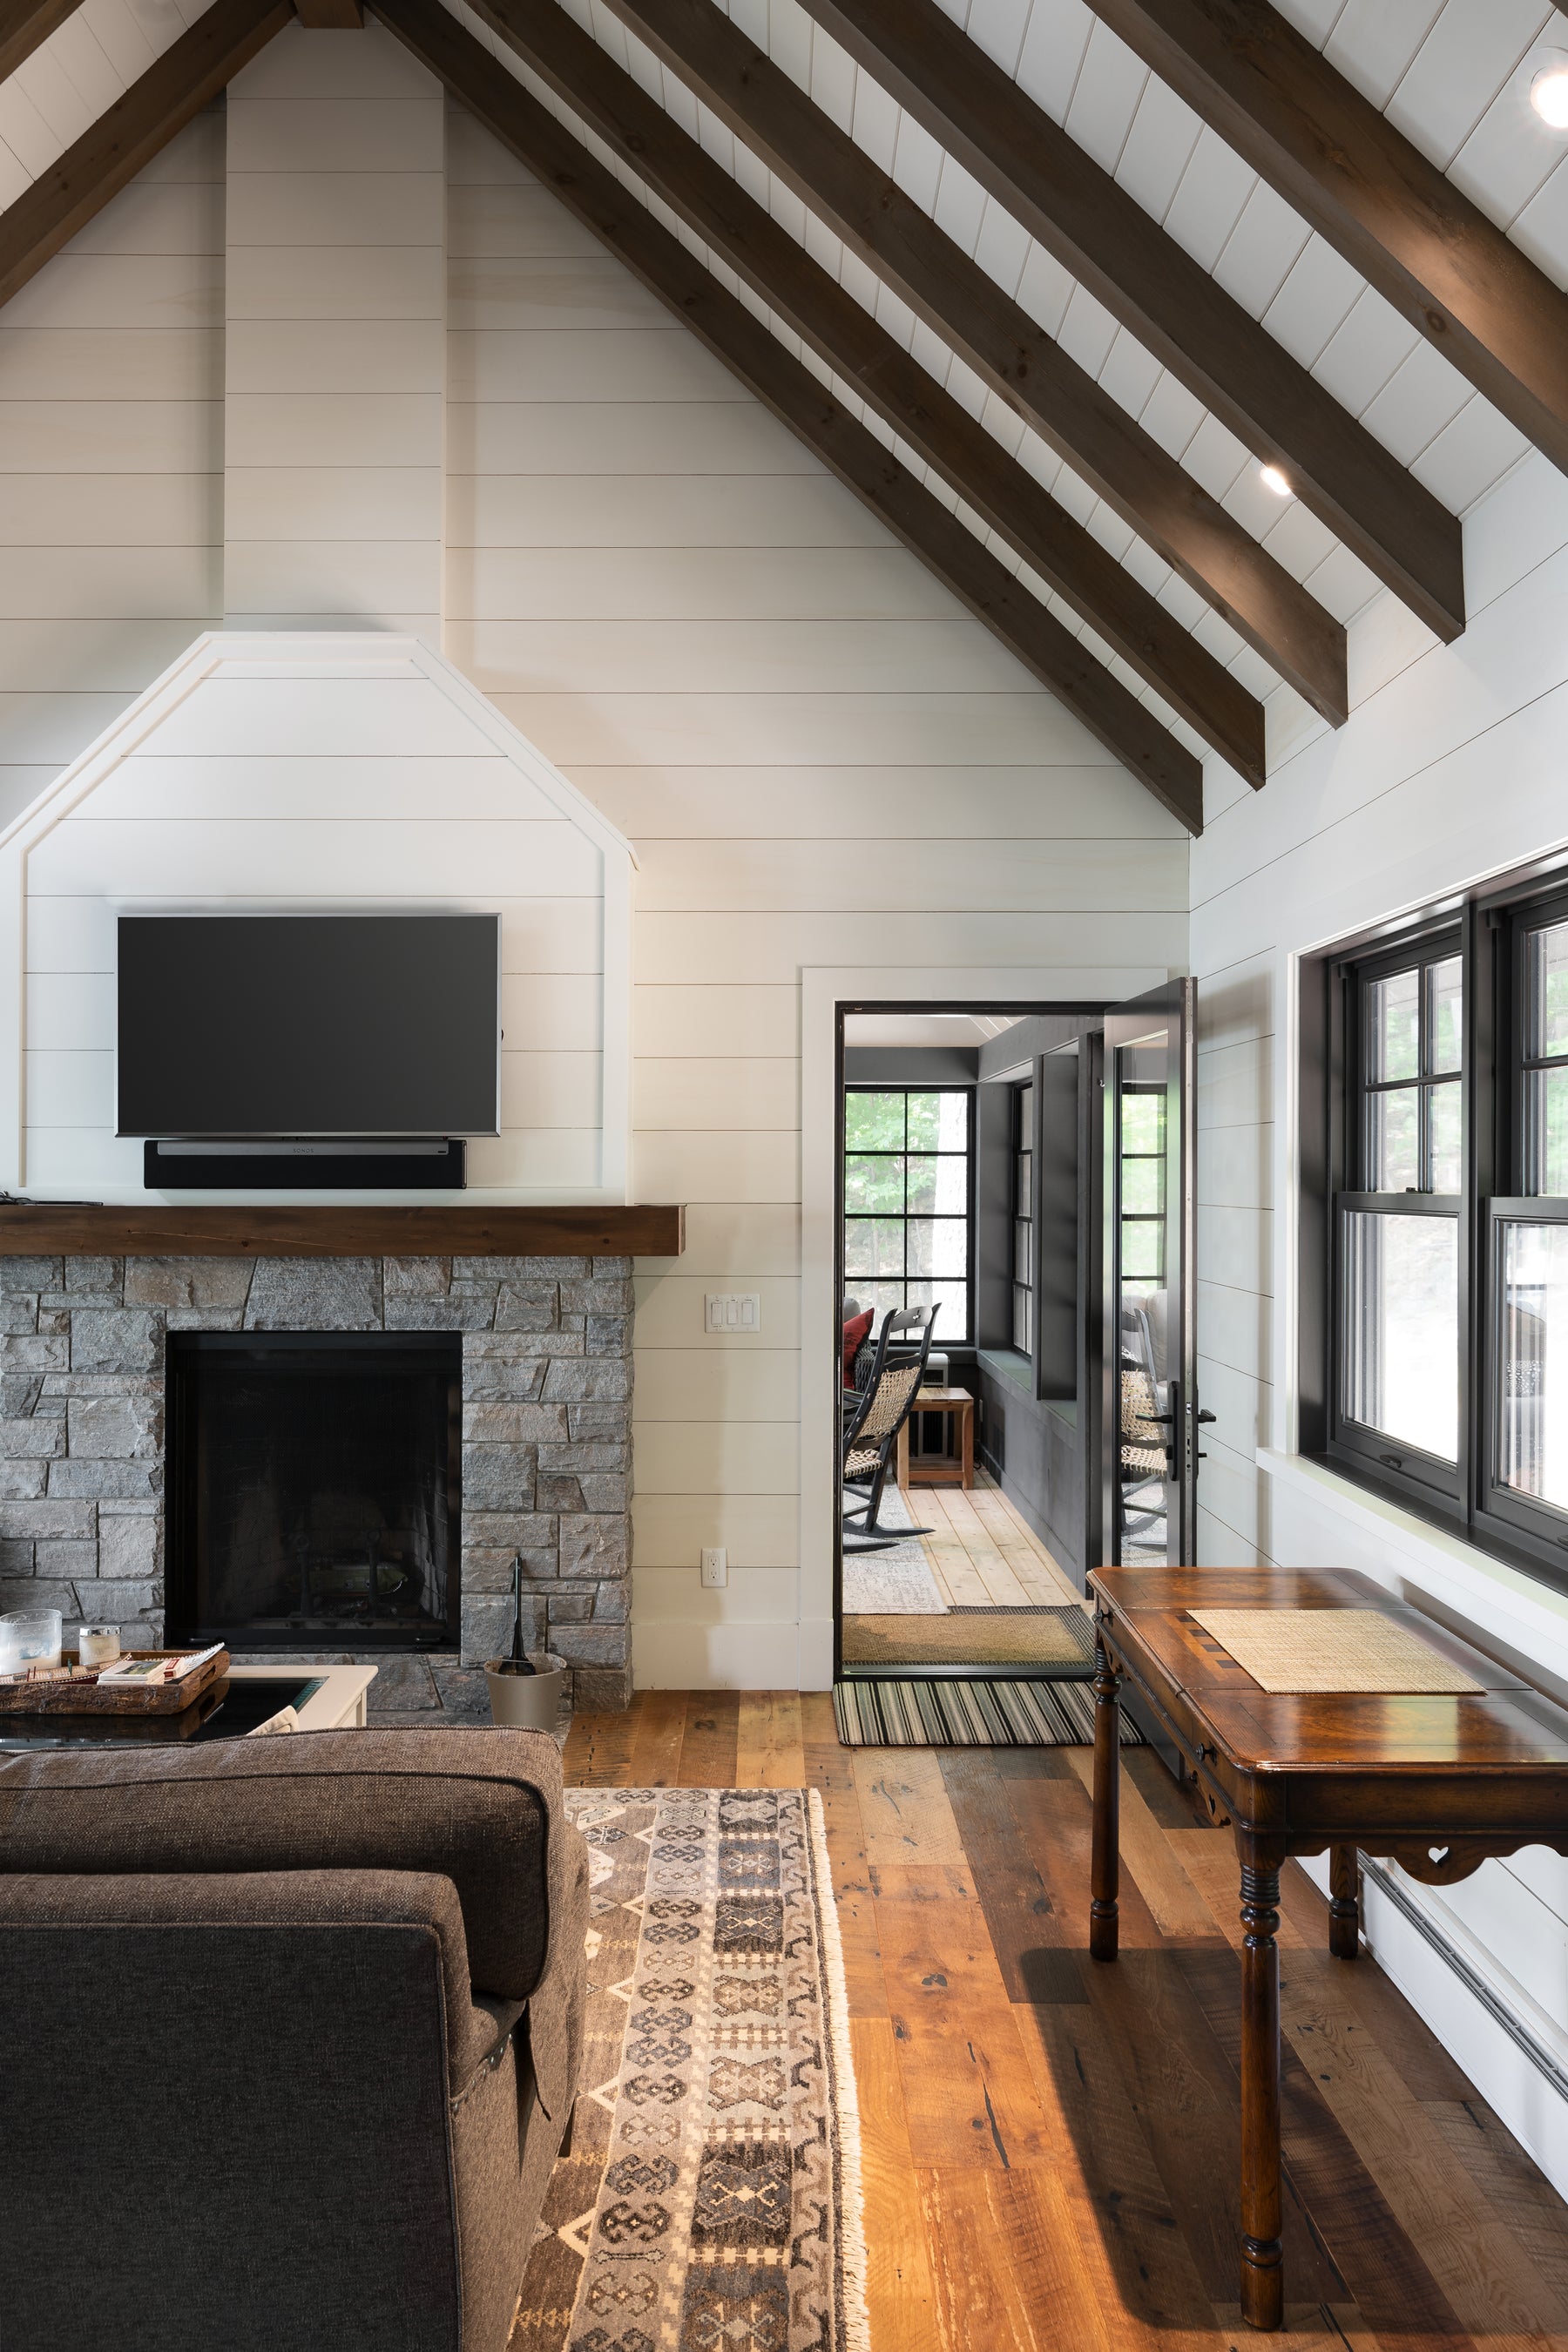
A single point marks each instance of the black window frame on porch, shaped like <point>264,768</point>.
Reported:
<point>1501,1152</point>
<point>855,1284</point>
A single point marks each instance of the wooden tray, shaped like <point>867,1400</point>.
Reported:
<point>92,1698</point>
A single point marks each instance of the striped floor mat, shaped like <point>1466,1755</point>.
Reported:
<point>968,1715</point>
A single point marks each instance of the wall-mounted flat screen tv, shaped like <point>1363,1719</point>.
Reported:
<point>283,1026</point>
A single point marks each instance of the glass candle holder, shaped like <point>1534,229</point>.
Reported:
<point>36,1634</point>
<point>97,1646</point>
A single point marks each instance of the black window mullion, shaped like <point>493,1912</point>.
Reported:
<point>904,1215</point>
<point>1507,1491</point>
<point>1373,1454</point>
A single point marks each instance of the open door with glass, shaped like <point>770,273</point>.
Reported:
<point>1148,1402</point>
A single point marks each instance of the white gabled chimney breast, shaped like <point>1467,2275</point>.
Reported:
<point>318,770</point>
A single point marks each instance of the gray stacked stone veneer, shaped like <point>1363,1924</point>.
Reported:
<point>547,1384</point>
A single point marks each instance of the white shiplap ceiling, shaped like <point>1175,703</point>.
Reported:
<point>1454,76</point>
<point>1456,79</point>
<point>75,75</point>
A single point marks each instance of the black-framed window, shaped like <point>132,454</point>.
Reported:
<point>1022,1266</point>
<point>909,1201</point>
<point>1435,1217</point>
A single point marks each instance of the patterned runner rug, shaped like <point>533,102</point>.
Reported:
<point>711,2202</point>
<point>951,1713</point>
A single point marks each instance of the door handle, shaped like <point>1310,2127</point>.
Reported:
<point>1207,1416</point>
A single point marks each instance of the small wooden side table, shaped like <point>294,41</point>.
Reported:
<point>957,1468</point>
<point>1435,1783</point>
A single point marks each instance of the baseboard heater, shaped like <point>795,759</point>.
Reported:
<point>315,1166</point>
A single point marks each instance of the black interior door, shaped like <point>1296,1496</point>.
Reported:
<point>1148,1402</point>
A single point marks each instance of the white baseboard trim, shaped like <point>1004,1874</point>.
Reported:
<point>1515,2056</point>
<point>676,1654</point>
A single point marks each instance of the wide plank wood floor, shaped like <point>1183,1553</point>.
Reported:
<point>982,1551</point>
<point>1051,2146</point>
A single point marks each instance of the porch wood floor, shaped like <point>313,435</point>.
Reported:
<point>1051,2146</point>
<point>982,1551</point>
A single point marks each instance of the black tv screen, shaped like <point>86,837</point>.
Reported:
<point>309,1026</point>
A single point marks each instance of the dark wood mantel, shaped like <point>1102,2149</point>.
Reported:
<point>43,1229</point>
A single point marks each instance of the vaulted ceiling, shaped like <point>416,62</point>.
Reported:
<point>1166,335</point>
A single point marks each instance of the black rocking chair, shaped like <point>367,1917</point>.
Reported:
<point>871,1429</point>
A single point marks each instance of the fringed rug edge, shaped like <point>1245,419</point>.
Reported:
<point>853,2256</point>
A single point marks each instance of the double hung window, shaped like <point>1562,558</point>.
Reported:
<point>909,1201</point>
<point>1435,1272</point>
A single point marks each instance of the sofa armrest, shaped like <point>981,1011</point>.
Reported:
<point>479,1807</point>
<point>558,2005</point>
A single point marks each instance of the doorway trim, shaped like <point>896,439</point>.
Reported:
<point>824,989</point>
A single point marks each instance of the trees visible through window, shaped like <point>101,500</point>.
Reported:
<point>908,1201</point>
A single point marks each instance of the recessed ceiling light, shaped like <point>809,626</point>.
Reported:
<point>1276,482</point>
<point>1549,92</point>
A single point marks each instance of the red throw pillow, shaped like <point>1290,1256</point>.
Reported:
<point>855,1332</point>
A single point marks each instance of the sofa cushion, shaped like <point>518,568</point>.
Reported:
<point>279,1898</point>
<point>227,2130</point>
<point>479,1807</point>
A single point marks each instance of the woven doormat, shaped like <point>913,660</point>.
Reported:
<point>1350,1650</point>
<point>711,2201</point>
<point>1045,1641</point>
<point>968,1715</point>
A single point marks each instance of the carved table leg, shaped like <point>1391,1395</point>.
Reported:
<point>1105,1870</point>
<point>1262,2276</point>
<point>1344,1911</point>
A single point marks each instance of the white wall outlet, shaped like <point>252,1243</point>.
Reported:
<point>715,1566</point>
<point>736,1310</point>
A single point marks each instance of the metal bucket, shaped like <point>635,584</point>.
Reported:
<point>527,1702</point>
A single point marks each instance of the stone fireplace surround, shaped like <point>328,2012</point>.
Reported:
<point>546,1469</point>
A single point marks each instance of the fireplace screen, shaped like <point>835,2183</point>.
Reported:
<point>313,1488</point>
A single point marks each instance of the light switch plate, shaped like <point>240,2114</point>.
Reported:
<point>715,1566</point>
<point>735,1310</point>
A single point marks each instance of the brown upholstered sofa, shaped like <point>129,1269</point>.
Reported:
<point>290,2034</point>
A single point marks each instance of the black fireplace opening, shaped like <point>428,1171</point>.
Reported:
<point>313,1488</point>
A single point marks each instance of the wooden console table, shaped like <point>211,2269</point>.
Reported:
<point>1433,1784</point>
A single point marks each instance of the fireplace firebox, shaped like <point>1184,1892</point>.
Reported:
<point>313,1488</point>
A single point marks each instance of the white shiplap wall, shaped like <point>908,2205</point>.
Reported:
<point>1450,768</point>
<point>355,772</point>
<point>819,758</point>
<point>335,350</point>
<point>110,460</point>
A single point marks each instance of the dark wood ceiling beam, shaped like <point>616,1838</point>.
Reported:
<point>134,129</point>
<point>788,388</point>
<point>23,24</point>
<point>1020,362</point>
<point>842,332</point>
<point>1364,186</point>
<point>1160,294</point>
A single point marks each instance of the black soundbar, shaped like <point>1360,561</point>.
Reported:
<point>307,1167</point>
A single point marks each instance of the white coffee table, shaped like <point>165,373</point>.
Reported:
<point>340,1705</point>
